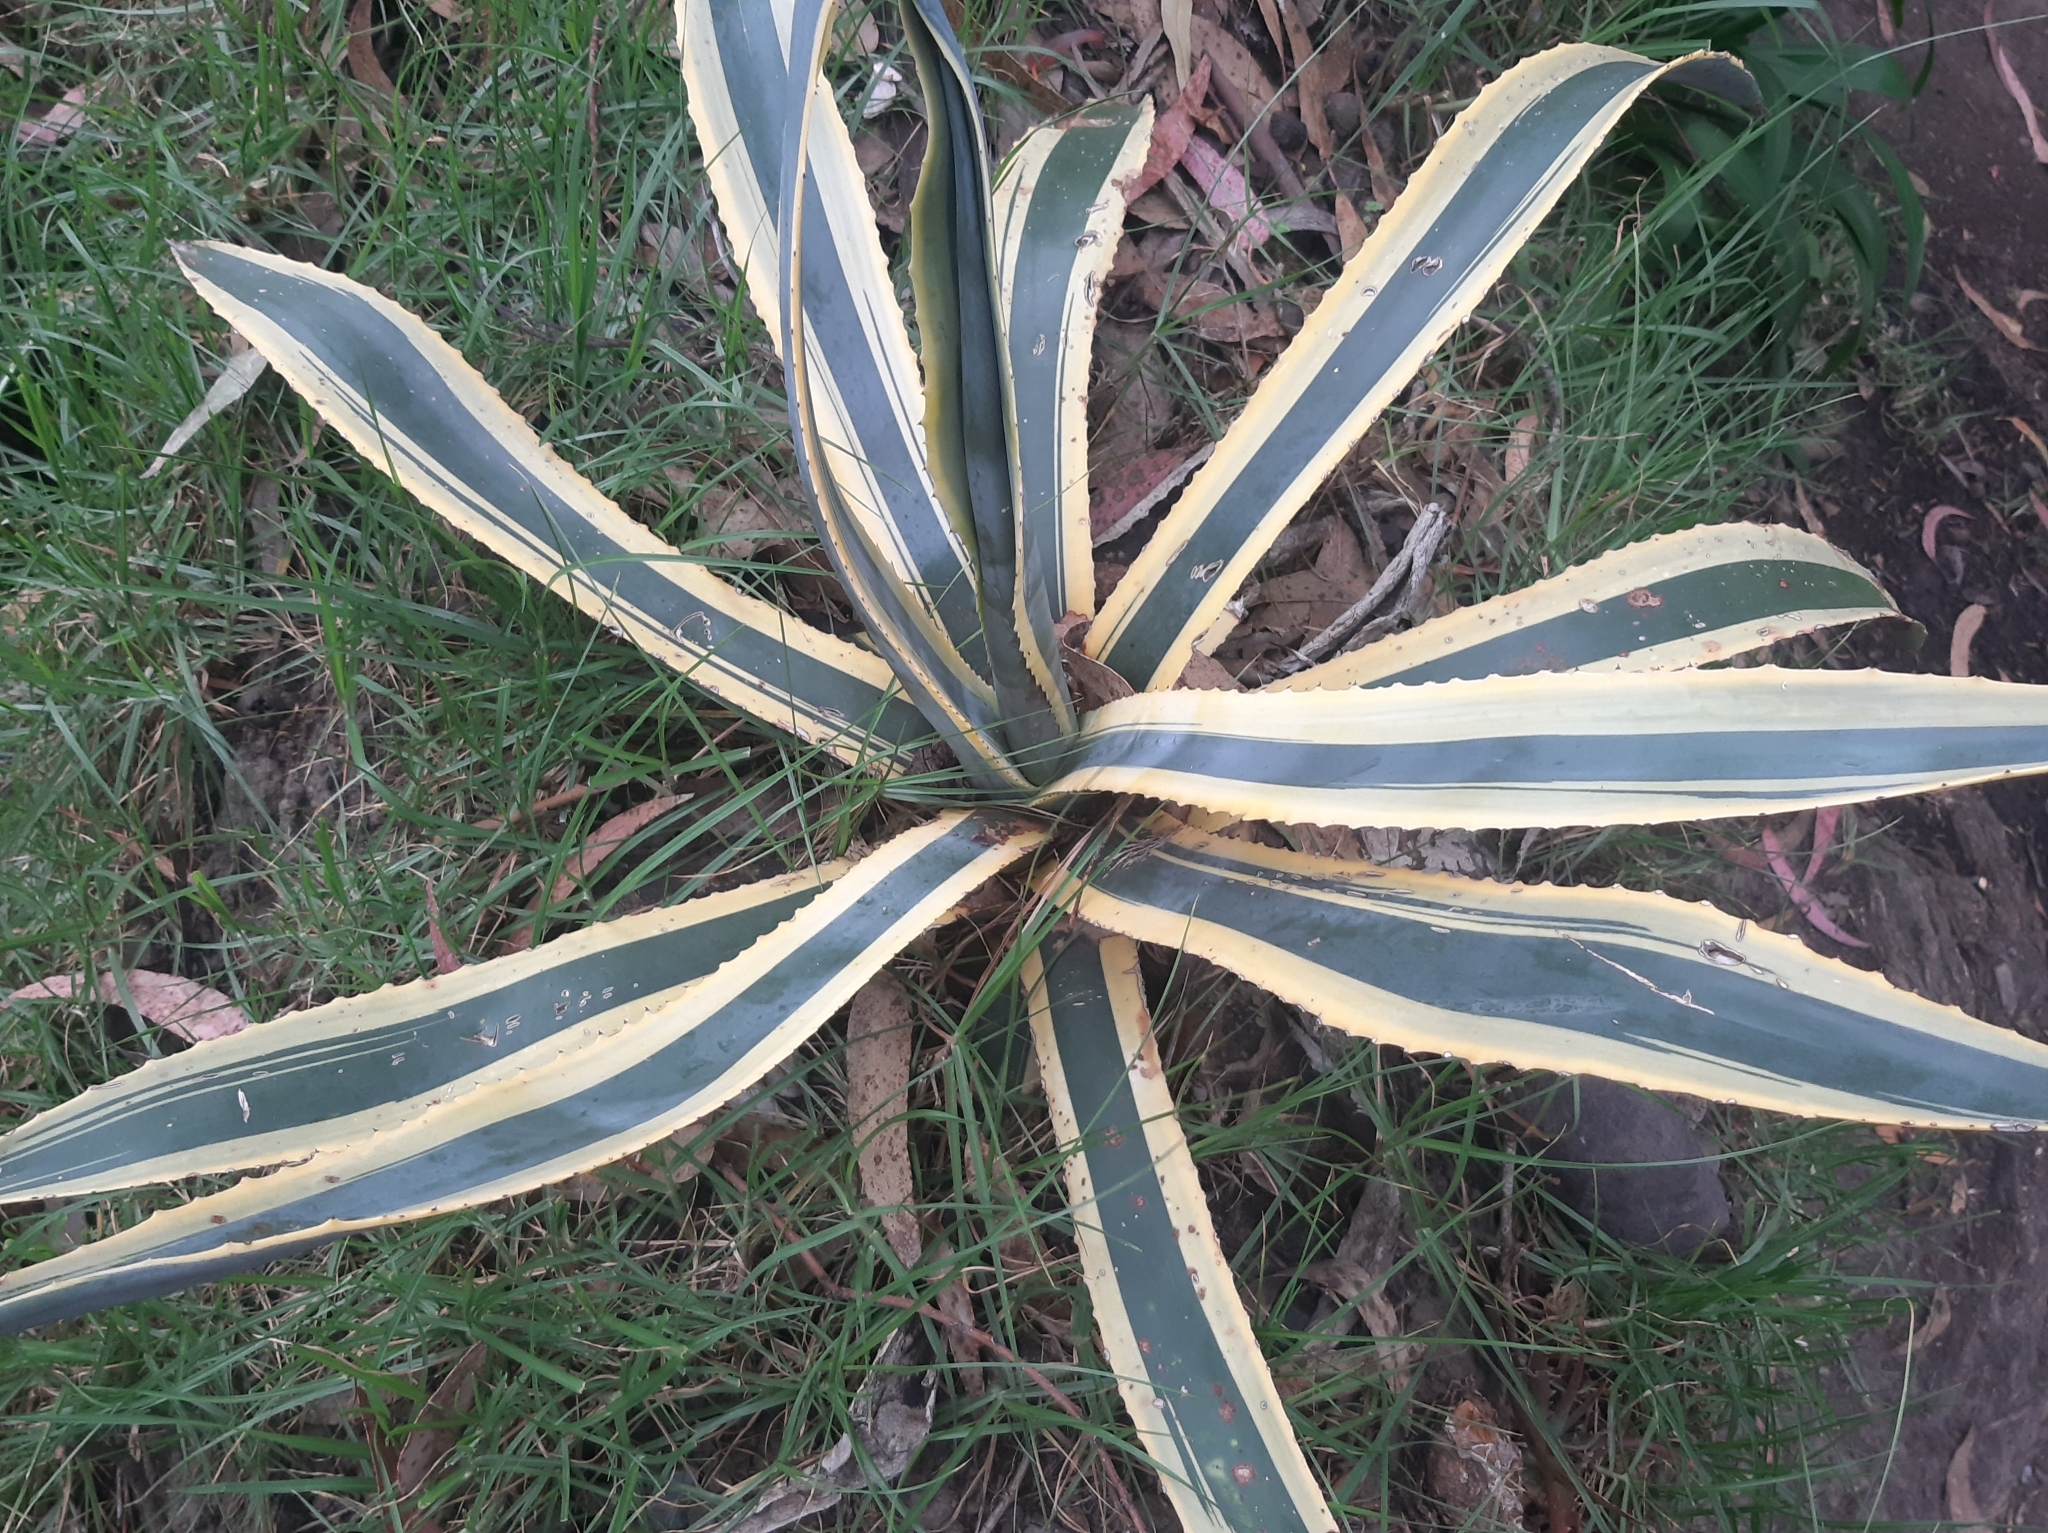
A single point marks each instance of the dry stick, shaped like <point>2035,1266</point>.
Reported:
<point>981,1338</point>
<point>1415,554</point>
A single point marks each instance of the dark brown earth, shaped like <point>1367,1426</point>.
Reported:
<point>1950,896</point>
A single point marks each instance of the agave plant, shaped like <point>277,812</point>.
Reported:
<point>952,499</point>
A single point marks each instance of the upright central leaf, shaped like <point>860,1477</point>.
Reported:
<point>969,430</point>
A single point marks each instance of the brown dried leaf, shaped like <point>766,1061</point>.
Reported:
<point>1205,673</point>
<point>2009,78</point>
<point>878,1037</point>
<point>957,1305</point>
<point>440,1422</point>
<point>2006,325</point>
<point>1341,561</point>
<point>193,1011</point>
<point>739,524</point>
<point>1351,229</point>
<point>1965,1514</point>
<point>1235,63</point>
<point>608,838</point>
<point>1171,131</point>
<point>1128,489</point>
<point>1521,448</point>
<point>362,56</point>
<point>1939,1316</point>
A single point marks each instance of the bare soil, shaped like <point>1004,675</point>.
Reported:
<point>1950,896</point>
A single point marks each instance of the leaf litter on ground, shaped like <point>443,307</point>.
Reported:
<point>193,1011</point>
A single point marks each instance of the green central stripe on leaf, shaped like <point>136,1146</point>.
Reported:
<point>339,1072</point>
<point>1633,986</point>
<point>591,1095</point>
<point>1566,749</point>
<point>1166,1301</point>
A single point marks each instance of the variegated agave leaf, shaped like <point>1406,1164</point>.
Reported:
<point>952,499</point>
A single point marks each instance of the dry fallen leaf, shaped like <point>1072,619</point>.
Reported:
<point>193,1011</point>
<point>878,1036</point>
<point>242,370</point>
<point>1125,491</point>
<point>604,841</point>
<point>63,119</point>
<point>1807,514</point>
<point>1176,19</point>
<point>2009,78</point>
<point>1932,521</point>
<point>1939,1316</point>
<point>1235,63</point>
<point>1351,229</point>
<point>1228,193</point>
<point>1171,131</point>
<point>362,56</point>
<point>2007,326</point>
<point>1966,1516</point>
<point>439,1424</point>
<point>1967,624</point>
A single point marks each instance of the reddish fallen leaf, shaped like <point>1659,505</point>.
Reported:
<point>2006,325</point>
<point>2026,430</point>
<point>1967,624</point>
<point>1126,493</point>
<point>362,57</point>
<point>446,959</point>
<point>1228,193</point>
<point>1801,896</point>
<point>1932,520</point>
<point>608,838</point>
<point>1171,131</point>
<point>193,1011</point>
<point>604,841</point>
<point>1886,30</point>
<point>2009,78</point>
<point>63,119</point>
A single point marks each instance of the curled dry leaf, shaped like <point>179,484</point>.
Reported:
<point>878,1031</point>
<point>1967,624</point>
<point>2006,325</point>
<point>362,55</point>
<point>193,1011</point>
<point>1228,193</point>
<point>243,368</point>
<point>2009,78</point>
<point>1932,521</point>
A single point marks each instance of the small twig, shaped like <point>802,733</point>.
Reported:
<point>981,1338</point>
<point>540,807</point>
<point>1417,554</point>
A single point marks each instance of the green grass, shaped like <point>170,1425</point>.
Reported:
<point>253,709</point>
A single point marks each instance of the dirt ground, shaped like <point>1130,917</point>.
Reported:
<point>1951,899</point>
